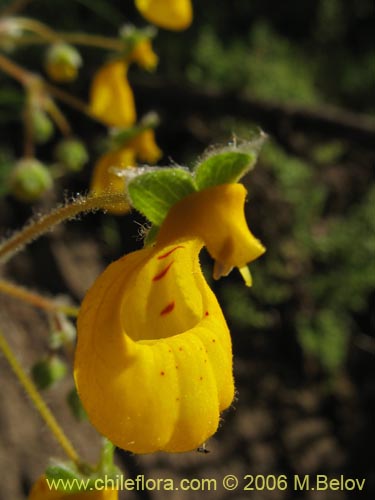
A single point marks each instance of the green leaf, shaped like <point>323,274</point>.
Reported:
<point>224,168</point>
<point>155,192</point>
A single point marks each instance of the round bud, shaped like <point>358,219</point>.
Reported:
<point>42,126</point>
<point>48,371</point>
<point>29,180</point>
<point>72,153</point>
<point>62,62</point>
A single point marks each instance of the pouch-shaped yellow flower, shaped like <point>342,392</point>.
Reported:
<point>169,14</point>
<point>41,491</point>
<point>111,98</point>
<point>153,363</point>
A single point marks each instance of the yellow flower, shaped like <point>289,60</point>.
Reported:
<point>144,55</point>
<point>170,14</point>
<point>145,147</point>
<point>104,178</point>
<point>153,363</point>
<point>111,98</point>
<point>41,491</point>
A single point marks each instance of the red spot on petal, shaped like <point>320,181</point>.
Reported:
<point>206,313</point>
<point>169,252</point>
<point>162,273</point>
<point>167,309</point>
<point>162,373</point>
<point>213,340</point>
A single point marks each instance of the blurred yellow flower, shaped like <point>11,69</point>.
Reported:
<point>143,55</point>
<point>153,363</point>
<point>170,14</point>
<point>111,98</point>
<point>105,179</point>
<point>41,491</point>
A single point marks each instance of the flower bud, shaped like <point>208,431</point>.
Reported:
<point>30,179</point>
<point>42,126</point>
<point>72,153</point>
<point>62,62</point>
<point>48,371</point>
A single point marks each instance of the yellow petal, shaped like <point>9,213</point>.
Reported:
<point>169,14</point>
<point>145,147</point>
<point>215,216</point>
<point>153,363</point>
<point>104,180</point>
<point>41,491</point>
<point>144,55</point>
<point>111,98</point>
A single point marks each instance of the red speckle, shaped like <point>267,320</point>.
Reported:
<point>176,367</point>
<point>167,309</point>
<point>213,340</point>
<point>162,273</point>
<point>180,349</point>
<point>162,373</point>
<point>206,313</point>
<point>169,350</point>
<point>177,399</point>
<point>170,251</point>
<point>200,378</point>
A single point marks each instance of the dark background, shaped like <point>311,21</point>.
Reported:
<point>303,336</point>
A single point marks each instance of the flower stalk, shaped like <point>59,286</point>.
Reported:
<point>36,299</point>
<point>45,223</point>
<point>38,401</point>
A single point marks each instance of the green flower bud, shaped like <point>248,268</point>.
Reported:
<point>42,126</point>
<point>72,153</point>
<point>48,371</point>
<point>62,62</point>
<point>30,179</point>
<point>75,405</point>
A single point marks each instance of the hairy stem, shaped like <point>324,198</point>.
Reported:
<point>35,299</point>
<point>45,223</point>
<point>38,401</point>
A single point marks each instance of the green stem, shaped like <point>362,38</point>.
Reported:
<point>45,34</point>
<point>45,223</point>
<point>38,401</point>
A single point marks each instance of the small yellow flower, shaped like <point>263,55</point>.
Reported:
<point>153,363</point>
<point>104,179</point>
<point>41,491</point>
<point>111,98</point>
<point>143,55</point>
<point>170,14</point>
<point>145,147</point>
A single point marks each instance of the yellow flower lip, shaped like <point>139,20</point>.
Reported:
<point>153,364</point>
<point>215,216</point>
